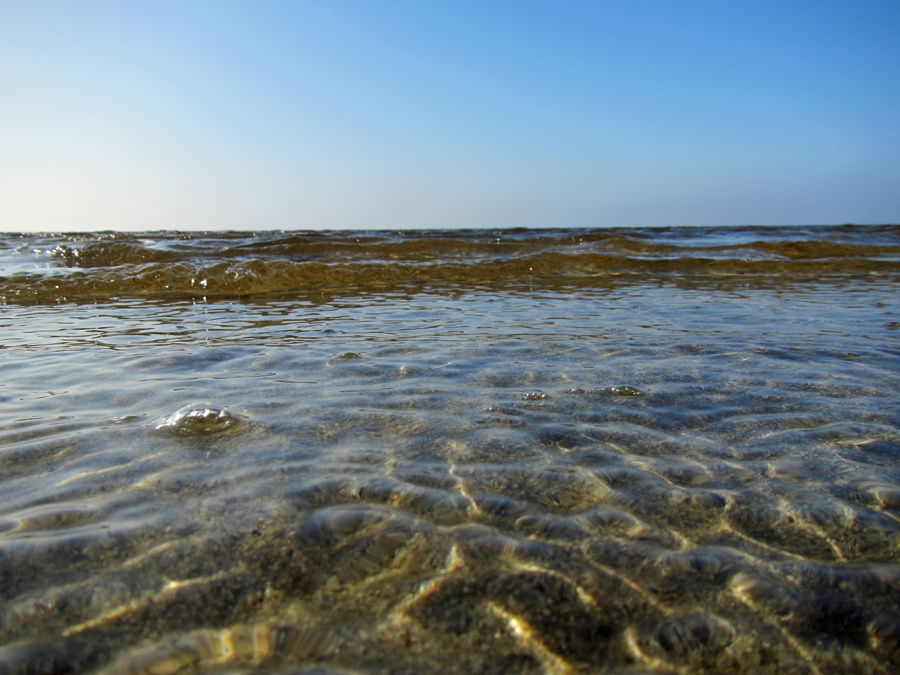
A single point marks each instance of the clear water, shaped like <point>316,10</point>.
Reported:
<point>541,461</point>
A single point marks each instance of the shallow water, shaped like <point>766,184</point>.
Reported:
<point>628,451</point>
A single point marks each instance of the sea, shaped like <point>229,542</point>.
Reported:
<point>660,450</point>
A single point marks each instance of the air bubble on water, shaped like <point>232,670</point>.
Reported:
<point>625,390</point>
<point>536,396</point>
<point>198,419</point>
<point>126,419</point>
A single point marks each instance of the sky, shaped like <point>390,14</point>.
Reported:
<point>400,114</point>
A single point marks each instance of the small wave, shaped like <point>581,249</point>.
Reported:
<point>229,265</point>
<point>259,277</point>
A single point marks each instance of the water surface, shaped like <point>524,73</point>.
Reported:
<point>620,451</point>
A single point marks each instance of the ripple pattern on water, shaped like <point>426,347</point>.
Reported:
<point>487,503</point>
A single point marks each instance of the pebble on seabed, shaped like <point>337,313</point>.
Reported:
<point>198,419</point>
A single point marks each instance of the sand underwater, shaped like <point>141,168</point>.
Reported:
<point>626,451</point>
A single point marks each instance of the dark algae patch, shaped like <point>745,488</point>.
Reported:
<point>561,451</point>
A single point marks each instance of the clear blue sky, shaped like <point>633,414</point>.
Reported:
<point>194,114</point>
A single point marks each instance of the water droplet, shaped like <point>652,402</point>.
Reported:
<point>198,419</point>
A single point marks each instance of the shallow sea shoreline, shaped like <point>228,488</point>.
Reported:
<point>532,451</point>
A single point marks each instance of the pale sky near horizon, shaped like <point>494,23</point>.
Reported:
<point>365,114</point>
